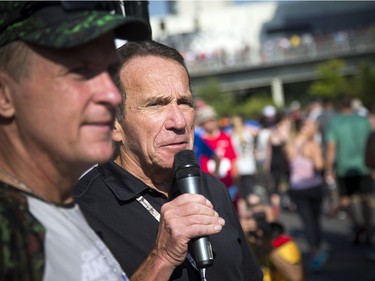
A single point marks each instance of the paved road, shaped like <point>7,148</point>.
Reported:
<point>347,262</point>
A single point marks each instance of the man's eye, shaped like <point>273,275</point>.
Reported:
<point>158,102</point>
<point>153,104</point>
<point>187,103</point>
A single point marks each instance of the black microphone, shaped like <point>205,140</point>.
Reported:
<point>187,172</point>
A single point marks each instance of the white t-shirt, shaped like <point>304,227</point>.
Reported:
<point>72,249</point>
<point>245,152</point>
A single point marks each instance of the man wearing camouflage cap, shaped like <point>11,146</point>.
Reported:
<point>57,107</point>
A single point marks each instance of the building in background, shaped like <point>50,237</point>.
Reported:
<point>207,28</point>
<point>222,36</point>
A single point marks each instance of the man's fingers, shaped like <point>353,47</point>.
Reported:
<point>188,204</point>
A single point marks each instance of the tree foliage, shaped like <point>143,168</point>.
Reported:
<point>226,104</point>
<point>331,82</point>
<point>212,94</point>
<point>363,84</point>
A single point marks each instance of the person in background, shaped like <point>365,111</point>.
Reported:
<point>346,165</point>
<point>358,108</point>
<point>314,109</point>
<point>277,253</point>
<point>371,117</point>
<point>264,181</point>
<point>306,187</point>
<point>267,121</point>
<point>370,144</point>
<point>243,140</point>
<point>201,148</point>
<point>221,143</point>
<point>323,121</point>
<point>295,111</point>
<point>276,161</point>
<point>134,202</point>
<point>370,163</point>
<point>57,110</point>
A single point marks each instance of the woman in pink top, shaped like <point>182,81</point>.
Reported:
<point>306,187</point>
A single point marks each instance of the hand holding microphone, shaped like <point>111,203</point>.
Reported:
<point>185,218</point>
<point>188,179</point>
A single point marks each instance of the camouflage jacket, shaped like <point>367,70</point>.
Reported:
<point>22,238</point>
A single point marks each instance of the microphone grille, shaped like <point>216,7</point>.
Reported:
<point>186,164</point>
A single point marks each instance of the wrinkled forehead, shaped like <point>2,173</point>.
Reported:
<point>150,63</point>
<point>155,75</point>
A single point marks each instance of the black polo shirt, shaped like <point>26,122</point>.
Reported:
<point>107,196</point>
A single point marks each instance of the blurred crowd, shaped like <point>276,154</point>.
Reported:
<point>274,49</point>
<point>306,159</point>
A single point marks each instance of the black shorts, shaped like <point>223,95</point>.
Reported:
<point>354,184</point>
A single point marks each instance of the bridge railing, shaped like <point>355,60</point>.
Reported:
<point>284,50</point>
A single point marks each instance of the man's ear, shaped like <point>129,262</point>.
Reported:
<point>117,132</point>
<point>7,109</point>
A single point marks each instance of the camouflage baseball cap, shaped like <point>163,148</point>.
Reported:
<point>66,24</point>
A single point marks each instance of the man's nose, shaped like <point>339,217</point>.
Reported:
<point>176,118</point>
<point>107,92</point>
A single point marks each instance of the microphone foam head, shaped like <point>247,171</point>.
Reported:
<point>186,164</point>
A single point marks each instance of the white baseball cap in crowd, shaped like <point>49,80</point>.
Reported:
<point>269,111</point>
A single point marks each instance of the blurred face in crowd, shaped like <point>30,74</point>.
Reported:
<point>159,113</point>
<point>308,129</point>
<point>210,126</point>
<point>65,105</point>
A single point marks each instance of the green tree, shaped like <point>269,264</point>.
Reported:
<point>253,105</point>
<point>212,94</point>
<point>331,82</point>
<point>363,84</point>
<point>228,104</point>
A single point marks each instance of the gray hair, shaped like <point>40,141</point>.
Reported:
<point>14,60</point>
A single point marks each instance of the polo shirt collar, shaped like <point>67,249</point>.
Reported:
<point>124,185</point>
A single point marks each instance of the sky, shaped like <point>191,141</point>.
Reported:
<point>157,8</point>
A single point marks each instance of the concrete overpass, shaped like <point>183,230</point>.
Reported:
<point>274,75</point>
